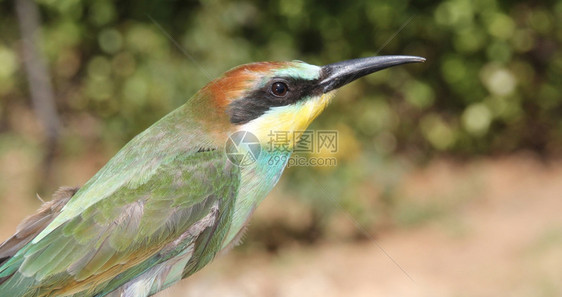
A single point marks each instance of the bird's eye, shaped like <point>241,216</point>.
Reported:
<point>279,89</point>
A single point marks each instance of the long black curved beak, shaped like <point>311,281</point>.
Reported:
<point>341,73</point>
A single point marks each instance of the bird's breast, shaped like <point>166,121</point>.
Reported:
<point>257,180</point>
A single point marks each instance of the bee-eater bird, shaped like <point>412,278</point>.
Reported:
<point>170,200</point>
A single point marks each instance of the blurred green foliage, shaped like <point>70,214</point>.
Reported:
<point>492,82</point>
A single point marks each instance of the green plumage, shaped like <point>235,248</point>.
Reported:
<point>170,182</point>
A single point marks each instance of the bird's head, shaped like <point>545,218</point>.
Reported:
<point>286,96</point>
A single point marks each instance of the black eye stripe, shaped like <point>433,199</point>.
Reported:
<point>257,102</point>
<point>297,89</point>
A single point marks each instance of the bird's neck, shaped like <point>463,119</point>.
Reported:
<point>210,118</point>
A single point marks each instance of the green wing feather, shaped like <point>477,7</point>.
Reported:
<point>130,216</point>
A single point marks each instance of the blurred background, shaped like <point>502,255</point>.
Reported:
<point>449,176</point>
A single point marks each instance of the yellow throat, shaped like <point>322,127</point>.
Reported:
<point>290,120</point>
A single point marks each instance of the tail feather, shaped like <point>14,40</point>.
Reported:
<point>31,227</point>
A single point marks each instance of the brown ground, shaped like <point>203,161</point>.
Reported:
<point>499,234</point>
